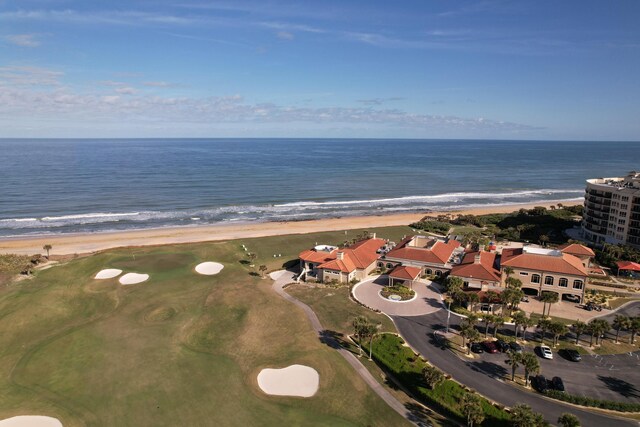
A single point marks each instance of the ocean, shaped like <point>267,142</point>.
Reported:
<point>86,185</point>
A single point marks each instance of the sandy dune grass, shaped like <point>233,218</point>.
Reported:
<point>168,354</point>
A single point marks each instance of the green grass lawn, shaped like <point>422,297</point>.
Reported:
<point>179,349</point>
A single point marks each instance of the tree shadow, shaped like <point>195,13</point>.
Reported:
<point>254,274</point>
<point>292,263</point>
<point>432,302</point>
<point>333,339</point>
<point>419,414</point>
<point>622,387</point>
<point>244,262</point>
<point>489,368</point>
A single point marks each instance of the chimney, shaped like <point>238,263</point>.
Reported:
<point>340,255</point>
<point>476,259</point>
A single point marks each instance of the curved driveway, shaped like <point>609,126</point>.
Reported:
<point>418,332</point>
<point>427,298</point>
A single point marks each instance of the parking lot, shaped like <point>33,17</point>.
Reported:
<point>614,377</point>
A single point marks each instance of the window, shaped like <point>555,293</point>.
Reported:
<point>524,273</point>
<point>389,265</point>
<point>548,280</point>
<point>381,264</point>
<point>535,278</point>
<point>438,273</point>
<point>429,271</point>
<point>577,284</point>
<point>465,284</point>
<point>563,283</point>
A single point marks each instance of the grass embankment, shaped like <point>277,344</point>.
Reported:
<point>400,361</point>
<point>179,349</point>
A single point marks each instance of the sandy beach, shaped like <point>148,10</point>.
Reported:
<point>65,244</point>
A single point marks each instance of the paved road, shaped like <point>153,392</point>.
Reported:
<point>418,332</point>
<point>427,299</point>
<point>282,278</point>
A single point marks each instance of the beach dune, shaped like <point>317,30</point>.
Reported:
<point>66,244</point>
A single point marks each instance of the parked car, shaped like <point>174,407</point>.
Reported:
<point>490,347</point>
<point>503,346</point>
<point>545,352</point>
<point>524,299</point>
<point>590,306</point>
<point>476,348</point>
<point>557,384</point>
<point>572,355</point>
<point>539,382</point>
<point>514,346</point>
<point>572,298</point>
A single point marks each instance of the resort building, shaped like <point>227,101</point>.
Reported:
<point>581,252</point>
<point>405,276</point>
<point>326,263</point>
<point>612,210</point>
<point>430,255</point>
<point>478,270</point>
<point>546,270</point>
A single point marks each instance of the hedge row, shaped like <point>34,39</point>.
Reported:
<point>594,403</point>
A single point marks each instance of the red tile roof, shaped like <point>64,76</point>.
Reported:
<point>484,270</point>
<point>628,265</point>
<point>358,256</point>
<point>564,264</point>
<point>576,249</point>
<point>405,272</point>
<point>439,253</point>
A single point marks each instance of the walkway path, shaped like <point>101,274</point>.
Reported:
<point>282,278</point>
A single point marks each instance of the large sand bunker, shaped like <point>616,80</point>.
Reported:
<point>209,268</point>
<point>133,278</point>
<point>30,421</point>
<point>108,273</point>
<point>294,380</point>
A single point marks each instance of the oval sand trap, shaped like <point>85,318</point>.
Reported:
<point>30,421</point>
<point>108,273</point>
<point>209,268</point>
<point>133,278</point>
<point>294,380</point>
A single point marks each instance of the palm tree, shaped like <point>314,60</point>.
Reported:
<point>548,298</point>
<point>531,366</point>
<point>557,329</point>
<point>491,297</point>
<point>370,331</point>
<point>544,324</point>
<point>488,319</point>
<point>508,271</point>
<point>472,298</point>
<point>603,327</point>
<point>620,322</point>
<point>358,326</point>
<point>579,328</point>
<point>634,328</point>
<point>568,420</point>
<point>473,336</point>
<point>544,239</point>
<point>471,407</point>
<point>263,269</point>
<point>529,323</point>
<point>497,322</point>
<point>523,416</point>
<point>47,248</point>
<point>252,257</point>
<point>465,332</point>
<point>514,361</point>
<point>520,318</point>
<point>453,284</point>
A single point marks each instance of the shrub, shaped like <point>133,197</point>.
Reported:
<point>594,403</point>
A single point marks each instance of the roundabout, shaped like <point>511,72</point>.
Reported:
<point>426,298</point>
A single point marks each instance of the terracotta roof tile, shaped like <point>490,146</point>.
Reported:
<point>565,264</point>
<point>576,249</point>
<point>484,270</point>
<point>358,256</point>
<point>405,272</point>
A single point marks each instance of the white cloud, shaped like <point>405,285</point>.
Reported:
<point>18,75</point>
<point>23,40</point>
<point>284,35</point>
<point>126,90</point>
<point>158,84</point>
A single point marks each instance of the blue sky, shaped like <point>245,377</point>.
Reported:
<point>412,69</point>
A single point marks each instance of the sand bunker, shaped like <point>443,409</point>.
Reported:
<point>133,278</point>
<point>294,380</point>
<point>108,273</point>
<point>30,421</point>
<point>209,268</point>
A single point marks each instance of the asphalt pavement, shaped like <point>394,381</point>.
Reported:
<point>485,374</point>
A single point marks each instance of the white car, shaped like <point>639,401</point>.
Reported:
<point>546,352</point>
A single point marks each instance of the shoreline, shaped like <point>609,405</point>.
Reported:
<point>81,243</point>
